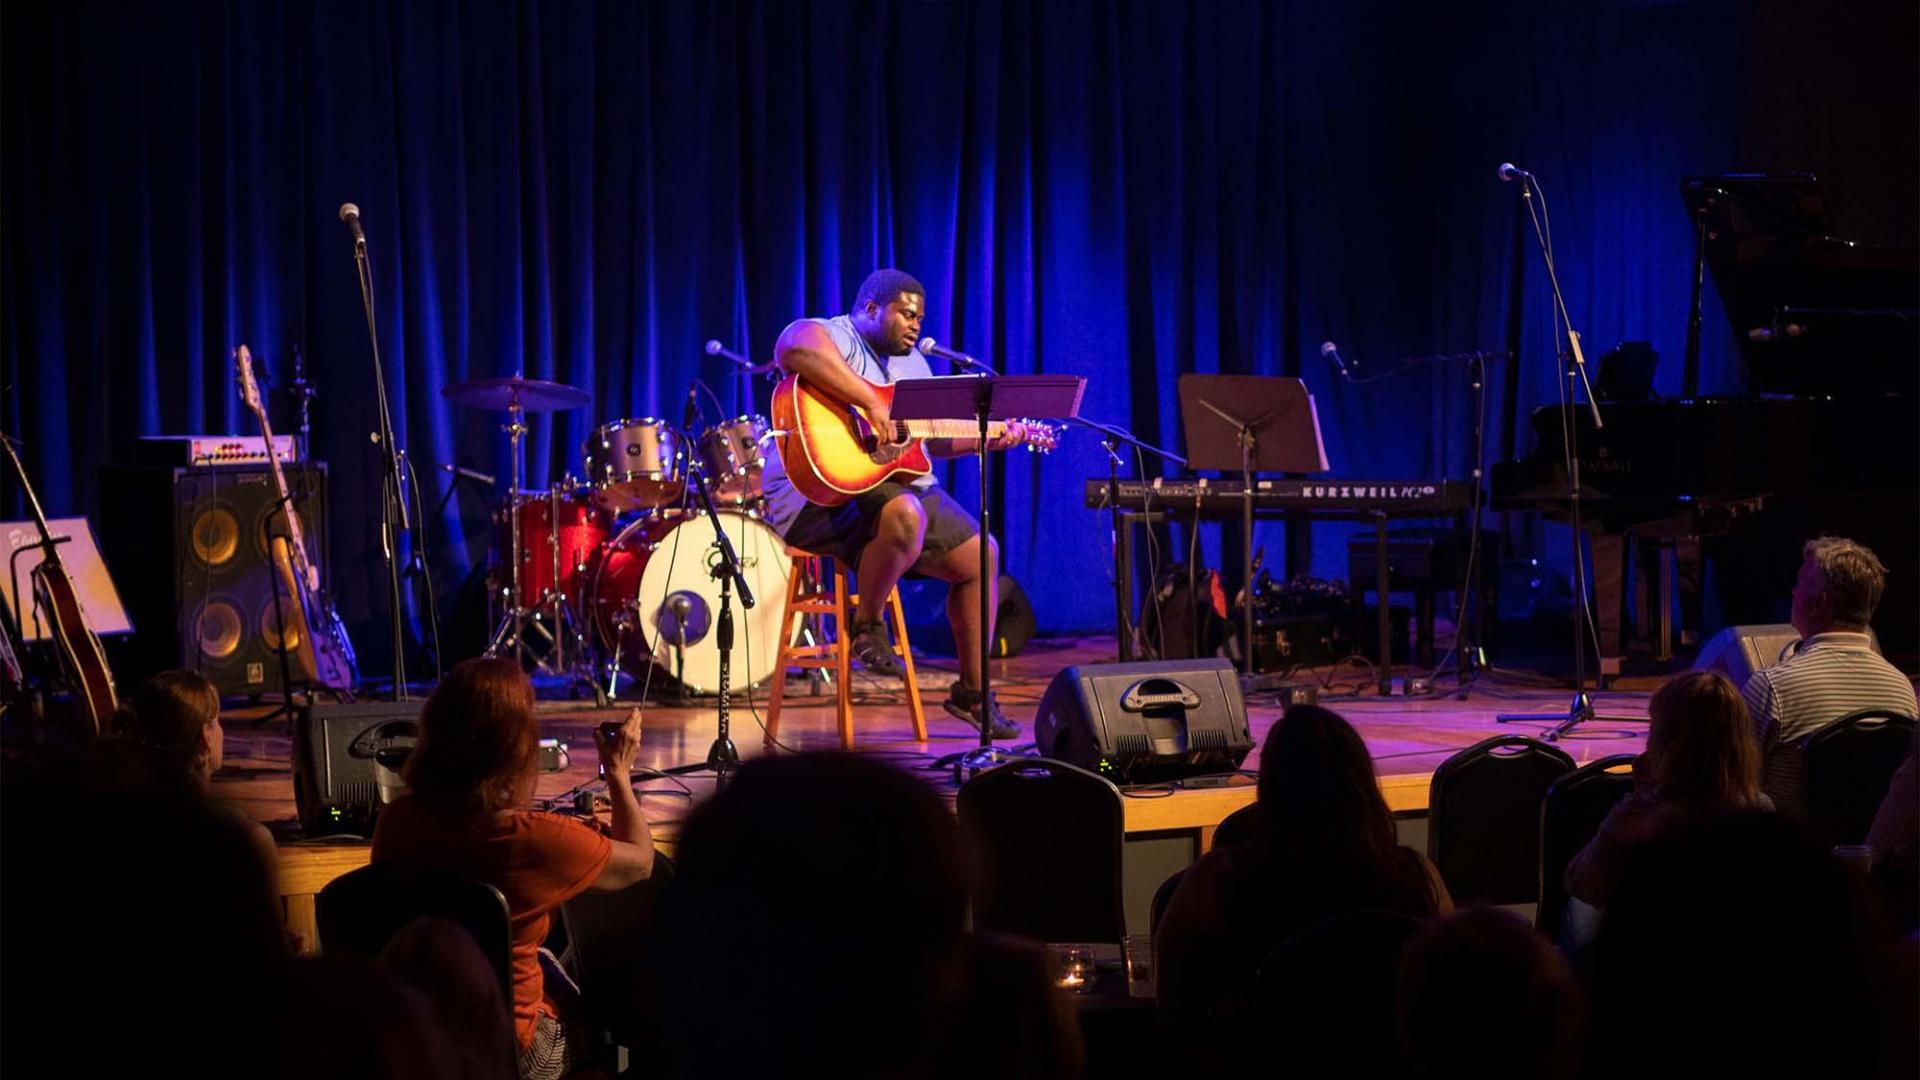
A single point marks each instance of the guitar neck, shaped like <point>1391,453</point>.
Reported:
<point>948,429</point>
<point>295,541</point>
<point>33,500</point>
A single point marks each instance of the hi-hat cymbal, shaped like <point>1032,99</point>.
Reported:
<point>502,394</point>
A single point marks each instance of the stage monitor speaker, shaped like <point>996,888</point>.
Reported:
<point>1146,722</point>
<point>212,607</point>
<point>347,761</point>
<point>1739,651</point>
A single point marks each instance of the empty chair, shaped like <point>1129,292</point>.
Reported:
<point>613,955</point>
<point>1575,805</point>
<point>1845,768</point>
<point>1050,835</point>
<point>360,910</point>
<point>1483,818</point>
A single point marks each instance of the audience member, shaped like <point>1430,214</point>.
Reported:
<point>1326,846</point>
<point>1835,671</point>
<point>1465,968</point>
<point>823,898</point>
<point>471,776</point>
<point>440,960</point>
<point>171,725</point>
<point>1700,757</point>
<point>1735,945</point>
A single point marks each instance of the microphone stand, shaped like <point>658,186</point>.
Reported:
<point>1581,709</point>
<point>393,504</point>
<point>724,567</point>
<point>1111,439</point>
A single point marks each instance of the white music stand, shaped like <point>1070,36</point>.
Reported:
<point>81,556</point>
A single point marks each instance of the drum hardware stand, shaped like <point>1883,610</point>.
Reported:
<point>513,621</point>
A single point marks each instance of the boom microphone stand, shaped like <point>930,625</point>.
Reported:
<point>1581,709</point>
<point>393,502</point>
<point>724,566</point>
<point>1111,439</point>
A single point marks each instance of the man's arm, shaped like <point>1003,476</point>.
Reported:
<point>806,350</point>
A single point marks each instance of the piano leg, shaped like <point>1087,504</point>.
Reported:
<point>1380,570</point>
<point>1609,597</point>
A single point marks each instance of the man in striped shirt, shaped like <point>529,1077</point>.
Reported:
<point>1835,672</point>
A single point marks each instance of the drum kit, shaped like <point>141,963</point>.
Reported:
<point>610,575</point>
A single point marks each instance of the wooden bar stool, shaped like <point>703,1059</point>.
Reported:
<point>834,597</point>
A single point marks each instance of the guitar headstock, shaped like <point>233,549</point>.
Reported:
<point>243,374</point>
<point>1042,437</point>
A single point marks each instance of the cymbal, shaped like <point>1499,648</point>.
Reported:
<point>501,394</point>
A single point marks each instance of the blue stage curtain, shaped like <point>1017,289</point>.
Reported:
<point>1122,189</point>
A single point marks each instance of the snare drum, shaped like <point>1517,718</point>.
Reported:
<point>560,531</point>
<point>733,453</point>
<point>634,464</point>
<point>651,597</point>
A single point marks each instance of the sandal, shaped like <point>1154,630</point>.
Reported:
<point>963,703</point>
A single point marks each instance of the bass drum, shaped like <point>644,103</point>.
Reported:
<point>650,596</point>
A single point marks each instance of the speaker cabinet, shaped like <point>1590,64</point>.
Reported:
<point>1145,722</point>
<point>347,761</point>
<point>213,606</point>
<point>1739,651</point>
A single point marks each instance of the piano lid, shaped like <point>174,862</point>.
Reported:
<point>1812,311</point>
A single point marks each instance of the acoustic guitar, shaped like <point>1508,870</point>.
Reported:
<point>322,654</point>
<point>833,453</point>
<point>73,639</point>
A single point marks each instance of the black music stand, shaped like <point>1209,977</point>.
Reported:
<point>1248,424</point>
<point>987,398</point>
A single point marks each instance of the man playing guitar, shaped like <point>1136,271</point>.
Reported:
<point>894,527</point>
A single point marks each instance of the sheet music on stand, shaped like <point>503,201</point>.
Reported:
<point>1011,397</point>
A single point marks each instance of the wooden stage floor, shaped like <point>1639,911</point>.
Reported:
<point>1408,736</point>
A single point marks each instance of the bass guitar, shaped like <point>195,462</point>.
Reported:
<point>322,654</point>
<point>73,639</point>
<point>833,453</point>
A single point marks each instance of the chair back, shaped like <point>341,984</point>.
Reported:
<point>1050,837</point>
<point>613,954</point>
<point>1163,897</point>
<point>1845,768</point>
<point>1330,993</point>
<point>1570,817</point>
<point>360,910</point>
<point>1240,827</point>
<point>1483,818</point>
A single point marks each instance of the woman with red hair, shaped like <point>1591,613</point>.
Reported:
<point>471,778</point>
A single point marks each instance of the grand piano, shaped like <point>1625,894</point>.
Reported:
<point>1823,442</point>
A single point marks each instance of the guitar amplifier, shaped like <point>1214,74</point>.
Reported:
<point>211,606</point>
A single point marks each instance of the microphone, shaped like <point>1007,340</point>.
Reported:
<point>350,214</point>
<point>691,415</point>
<point>1332,352</point>
<point>468,474</point>
<point>714,348</point>
<point>1510,172</point>
<point>934,348</point>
